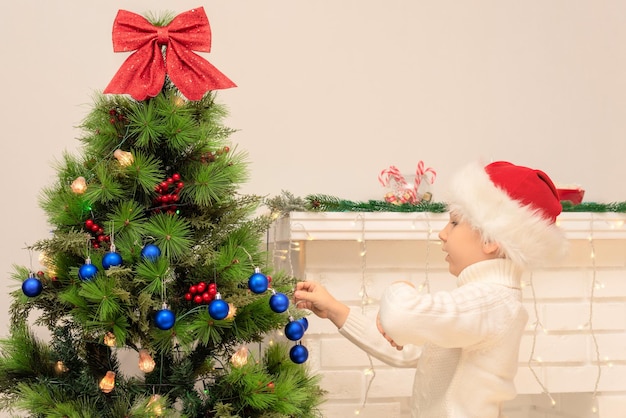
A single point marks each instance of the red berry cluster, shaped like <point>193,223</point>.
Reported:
<point>44,278</point>
<point>209,157</point>
<point>98,238</point>
<point>168,194</point>
<point>201,293</point>
<point>117,119</point>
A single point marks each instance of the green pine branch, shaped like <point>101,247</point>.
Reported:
<point>145,171</point>
<point>171,233</point>
<point>104,187</point>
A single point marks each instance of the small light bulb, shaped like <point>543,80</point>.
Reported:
<point>79,185</point>
<point>240,357</point>
<point>146,362</point>
<point>155,404</point>
<point>232,311</point>
<point>60,367</point>
<point>107,384</point>
<point>125,158</point>
<point>109,339</point>
<point>43,259</point>
<point>178,101</point>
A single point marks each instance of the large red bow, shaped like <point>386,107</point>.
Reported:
<point>143,72</point>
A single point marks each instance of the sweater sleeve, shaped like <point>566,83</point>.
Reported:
<point>460,318</point>
<point>361,330</point>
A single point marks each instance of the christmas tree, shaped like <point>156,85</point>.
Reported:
<point>155,252</point>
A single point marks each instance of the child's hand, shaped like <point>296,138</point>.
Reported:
<point>314,297</point>
<point>382,331</point>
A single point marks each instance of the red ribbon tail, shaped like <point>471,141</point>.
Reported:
<point>193,75</point>
<point>140,75</point>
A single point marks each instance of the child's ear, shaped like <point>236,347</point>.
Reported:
<point>491,247</point>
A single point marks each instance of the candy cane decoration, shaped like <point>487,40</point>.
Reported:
<point>422,172</point>
<point>388,173</point>
<point>406,193</point>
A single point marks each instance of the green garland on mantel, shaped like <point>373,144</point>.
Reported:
<point>287,202</point>
<point>324,203</point>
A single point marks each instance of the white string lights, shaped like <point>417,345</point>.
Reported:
<point>429,230</point>
<point>590,321</point>
<point>284,256</point>
<point>369,373</point>
<point>537,325</point>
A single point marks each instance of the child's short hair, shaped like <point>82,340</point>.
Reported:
<point>513,206</point>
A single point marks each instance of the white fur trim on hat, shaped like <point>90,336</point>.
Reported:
<point>523,234</point>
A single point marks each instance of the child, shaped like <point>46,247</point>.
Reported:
<point>502,221</point>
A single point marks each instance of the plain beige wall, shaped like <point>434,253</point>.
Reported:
<point>330,92</point>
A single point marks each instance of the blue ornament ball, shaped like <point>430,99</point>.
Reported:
<point>258,282</point>
<point>164,319</point>
<point>304,322</point>
<point>111,259</point>
<point>279,302</point>
<point>298,354</point>
<point>32,287</point>
<point>87,271</point>
<point>294,330</point>
<point>218,309</point>
<point>150,252</point>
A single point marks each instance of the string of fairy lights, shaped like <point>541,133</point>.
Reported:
<point>369,373</point>
<point>592,332</point>
<point>537,327</point>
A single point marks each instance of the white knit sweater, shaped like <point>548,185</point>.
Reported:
<point>469,340</point>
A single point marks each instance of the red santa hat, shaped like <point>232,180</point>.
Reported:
<point>514,206</point>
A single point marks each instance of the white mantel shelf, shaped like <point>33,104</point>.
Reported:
<point>302,226</point>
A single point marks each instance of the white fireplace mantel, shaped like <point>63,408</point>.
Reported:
<point>302,226</point>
